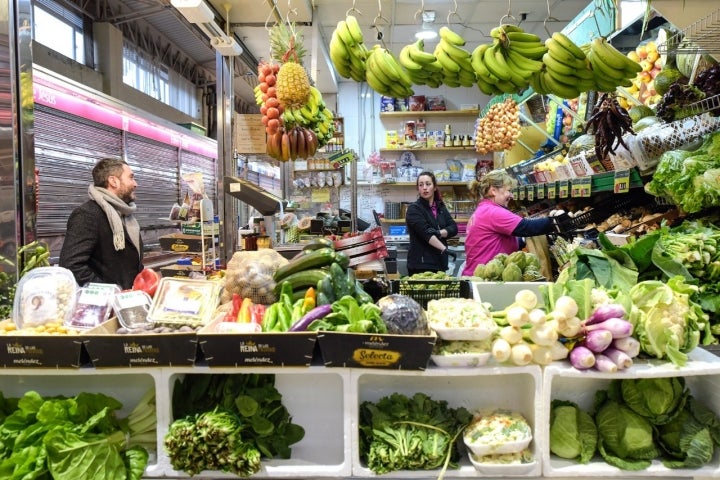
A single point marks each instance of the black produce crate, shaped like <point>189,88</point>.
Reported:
<point>422,291</point>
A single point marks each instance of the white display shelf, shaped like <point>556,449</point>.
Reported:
<point>561,381</point>
<point>123,384</point>
<point>472,388</point>
<point>315,398</point>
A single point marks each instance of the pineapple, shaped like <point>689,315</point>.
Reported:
<point>293,86</point>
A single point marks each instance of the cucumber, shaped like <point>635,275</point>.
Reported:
<point>361,295</point>
<point>315,259</point>
<point>319,243</point>
<point>324,286</point>
<point>342,259</point>
<point>339,280</point>
<point>303,279</point>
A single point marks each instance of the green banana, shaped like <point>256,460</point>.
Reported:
<point>393,63</point>
<point>568,45</point>
<point>374,68</point>
<point>486,87</point>
<point>478,64</point>
<point>458,54</point>
<point>344,33</point>
<point>533,51</point>
<point>450,36</point>
<point>558,67</point>
<point>501,31</point>
<point>560,89</point>
<point>610,55</point>
<point>523,63</point>
<point>523,37</point>
<point>354,28</point>
<point>603,70</point>
<point>559,53</point>
<point>466,79</point>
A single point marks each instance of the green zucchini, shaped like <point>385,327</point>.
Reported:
<point>324,286</point>
<point>342,259</point>
<point>319,243</point>
<point>339,281</point>
<point>315,259</point>
<point>361,295</point>
<point>303,279</point>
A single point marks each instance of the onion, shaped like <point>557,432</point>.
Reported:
<point>604,312</point>
<point>582,358</point>
<point>621,359</point>
<point>629,345</point>
<point>604,364</point>
<point>598,340</point>
<point>618,327</point>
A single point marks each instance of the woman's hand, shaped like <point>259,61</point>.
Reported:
<point>443,233</point>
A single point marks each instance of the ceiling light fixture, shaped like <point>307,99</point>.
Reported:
<point>427,32</point>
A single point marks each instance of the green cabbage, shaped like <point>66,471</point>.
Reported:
<point>512,273</point>
<point>573,434</point>
<point>689,439</point>
<point>625,439</point>
<point>657,399</point>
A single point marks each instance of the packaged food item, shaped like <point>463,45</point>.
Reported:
<point>435,103</point>
<point>93,305</point>
<point>132,308</point>
<point>184,301</point>
<point>44,294</point>
<point>387,104</point>
<point>455,167</point>
<point>417,103</point>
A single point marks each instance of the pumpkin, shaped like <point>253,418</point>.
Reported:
<point>687,53</point>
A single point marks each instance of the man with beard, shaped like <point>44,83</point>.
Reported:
<point>102,241</point>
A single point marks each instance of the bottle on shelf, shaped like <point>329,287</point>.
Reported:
<point>448,136</point>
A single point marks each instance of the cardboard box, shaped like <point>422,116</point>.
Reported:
<point>370,350</point>
<point>41,351</point>
<point>179,270</point>
<point>107,348</point>
<point>262,349</point>
<point>180,242</point>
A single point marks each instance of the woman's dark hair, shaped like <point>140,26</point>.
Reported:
<point>106,168</point>
<point>427,173</point>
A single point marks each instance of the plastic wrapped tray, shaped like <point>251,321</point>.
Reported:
<point>184,301</point>
<point>44,295</point>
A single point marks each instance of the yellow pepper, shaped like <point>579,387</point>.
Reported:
<point>245,314</point>
<point>309,300</point>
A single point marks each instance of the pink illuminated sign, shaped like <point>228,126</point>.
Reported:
<point>65,98</point>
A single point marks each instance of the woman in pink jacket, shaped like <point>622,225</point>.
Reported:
<point>493,228</point>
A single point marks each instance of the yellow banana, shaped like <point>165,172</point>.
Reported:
<point>407,62</point>
<point>354,28</point>
<point>458,54</point>
<point>374,68</point>
<point>609,54</point>
<point>560,89</point>
<point>434,67</point>
<point>552,64</point>
<point>466,79</point>
<point>417,54</point>
<point>447,63</point>
<point>450,36</point>
<point>388,65</point>
<point>491,62</point>
<point>501,31</point>
<point>604,70</point>
<point>404,79</point>
<point>523,37</point>
<point>344,33</point>
<point>478,64</point>
<point>522,63</point>
<point>486,87</point>
<point>376,84</point>
<point>559,53</point>
<point>533,51</point>
<point>568,45</point>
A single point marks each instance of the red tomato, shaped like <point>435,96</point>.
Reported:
<point>147,281</point>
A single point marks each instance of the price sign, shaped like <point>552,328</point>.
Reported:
<point>521,193</point>
<point>540,191</point>
<point>516,192</point>
<point>575,187</point>
<point>551,190</point>
<point>563,189</point>
<point>585,186</point>
<point>621,183</point>
<point>530,193</point>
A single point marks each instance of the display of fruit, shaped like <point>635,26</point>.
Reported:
<point>566,71</point>
<point>610,67</point>
<point>266,97</point>
<point>313,115</point>
<point>384,74</point>
<point>291,144</point>
<point>455,60</point>
<point>347,50</point>
<point>644,85</point>
<point>507,65</point>
<point>499,128</point>
<point>422,67</point>
<point>292,83</point>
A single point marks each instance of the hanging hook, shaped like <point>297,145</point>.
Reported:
<point>352,9</point>
<point>378,19</point>
<point>597,24</point>
<point>548,18</point>
<point>421,11</point>
<point>290,10</point>
<point>453,12</point>
<point>508,15</point>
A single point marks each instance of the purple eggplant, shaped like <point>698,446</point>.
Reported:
<point>315,314</point>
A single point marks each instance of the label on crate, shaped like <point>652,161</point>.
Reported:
<point>540,191</point>
<point>563,189</point>
<point>585,185</point>
<point>516,192</point>
<point>530,193</point>
<point>521,193</point>
<point>621,182</point>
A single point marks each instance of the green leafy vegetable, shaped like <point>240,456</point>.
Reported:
<point>657,399</point>
<point>689,440</point>
<point>573,434</point>
<point>410,433</point>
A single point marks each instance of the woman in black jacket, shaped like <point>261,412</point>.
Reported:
<point>429,225</point>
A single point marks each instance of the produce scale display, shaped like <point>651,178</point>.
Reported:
<point>301,367</point>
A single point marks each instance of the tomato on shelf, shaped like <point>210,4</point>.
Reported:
<point>147,281</point>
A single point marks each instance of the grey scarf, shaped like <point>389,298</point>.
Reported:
<point>118,213</point>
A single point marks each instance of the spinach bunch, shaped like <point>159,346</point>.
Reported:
<point>65,438</point>
<point>410,433</point>
<point>228,422</point>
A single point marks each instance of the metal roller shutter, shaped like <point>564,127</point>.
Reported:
<point>156,170</point>
<point>191,162</point>
<point>66,149</point>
